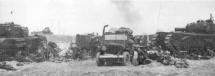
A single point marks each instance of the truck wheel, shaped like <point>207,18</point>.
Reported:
<point>135,59</point>
<point>126,58</point>
<point>98,61</point>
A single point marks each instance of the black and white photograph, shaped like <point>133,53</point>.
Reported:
<point>107,38</point>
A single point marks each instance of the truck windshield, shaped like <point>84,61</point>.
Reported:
<point>116,37</point>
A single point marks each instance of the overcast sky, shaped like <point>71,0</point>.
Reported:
<point>69,17</point>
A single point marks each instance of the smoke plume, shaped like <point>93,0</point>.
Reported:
<point>127,10</point>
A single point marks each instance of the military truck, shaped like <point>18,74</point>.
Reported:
<point>85,45</point>
<point>14,40</point>
<point>119,48</point>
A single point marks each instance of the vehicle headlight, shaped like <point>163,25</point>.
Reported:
<point>103,48</point>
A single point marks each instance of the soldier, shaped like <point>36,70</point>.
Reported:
<point>76,54</point>
<point>93,46</point>
<point>210,52</point>
<point>43,49</point>
<point>47,53</point>
<point>160,51</point>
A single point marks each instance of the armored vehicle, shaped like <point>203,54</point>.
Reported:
<point>196,39</point>
<point>15,39</point>
<point>118,47</point>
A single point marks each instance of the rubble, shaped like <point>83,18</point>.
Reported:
<point>165,58</point>
<point>68,54</point>
<point>4,65</point>
<point>181,63</point>
<point>53,49</point>
<point>177,62</point>
<point>20,64</point>
<point>60,60</point>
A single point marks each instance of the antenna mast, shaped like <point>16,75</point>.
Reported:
<point>158,17</point>
<point>211,17</point>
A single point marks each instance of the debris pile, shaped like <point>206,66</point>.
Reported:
<point>164,57</point>
<point>68,54</point>
<point>167,59</point>
<point>79,54</point>
<point>181,63</point>
<point>4,65</point>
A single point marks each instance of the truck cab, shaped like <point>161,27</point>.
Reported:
<point>117,48</point>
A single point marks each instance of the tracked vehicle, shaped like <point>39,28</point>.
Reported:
<point>196,39</point>
<point>15,39</point>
